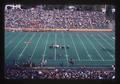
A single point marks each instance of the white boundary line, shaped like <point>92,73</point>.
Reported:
<point>65,48</point>
<point>11,40</point>
<point>86,60</point>
<point>101,45</point>
<point>45,46</point>
<point>25,47</point>
<point>36,46</point>
<point>94,47</point>
<point>84,47</point>
<point>74,47</point>
<point>17,45</point>
<point>105,41</point>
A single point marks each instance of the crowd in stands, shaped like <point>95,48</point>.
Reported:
<point>56,18</point>
<point>59,73</point>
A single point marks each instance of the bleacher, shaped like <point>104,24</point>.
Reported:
<point>58,73</point>
<point>56,18</point>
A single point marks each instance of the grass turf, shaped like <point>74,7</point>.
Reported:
<point>86,48</point>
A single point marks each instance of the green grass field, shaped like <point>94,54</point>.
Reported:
<point>86,48</point>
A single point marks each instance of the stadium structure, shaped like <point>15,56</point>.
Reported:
<point>59,42</point>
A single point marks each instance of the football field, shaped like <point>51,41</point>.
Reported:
<point>86,48</point>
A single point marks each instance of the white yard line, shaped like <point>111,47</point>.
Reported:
<point>101,45</point>
<point>105,41</point>
<point>74,47</point>
<point>11,40</point>
<point>36,46</point>
<point>55,48</point>
<point>65,48</point>
<point>94,47</point>
<point>25,47</point>
<point>108,37</point>
<point>111,55</point>
<point>84,47</point>
<point>17,45</point>
<point>45,46</point>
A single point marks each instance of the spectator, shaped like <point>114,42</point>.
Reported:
<point>32,73</point>
<point>40,18</point>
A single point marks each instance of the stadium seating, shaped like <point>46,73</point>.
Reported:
<point>57,73</point>
<point>40,18</point>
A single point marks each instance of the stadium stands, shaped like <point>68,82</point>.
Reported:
<point>58,73</point>
<point>56,18</point>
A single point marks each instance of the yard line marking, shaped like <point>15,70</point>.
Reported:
<point>36,46</point>
<point>74,47</point>
<point>45,46</point>
<point>55,48</point>
<point>17,45</point>
<point>105,41</point>
<point>25,47</point>
<point>11,40</point>
<point>93,47</point>
<point>110,55</point>
<point>108,37</point>
<point>65,47</point>
<point>101,45</point>
<point>84,47</point>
